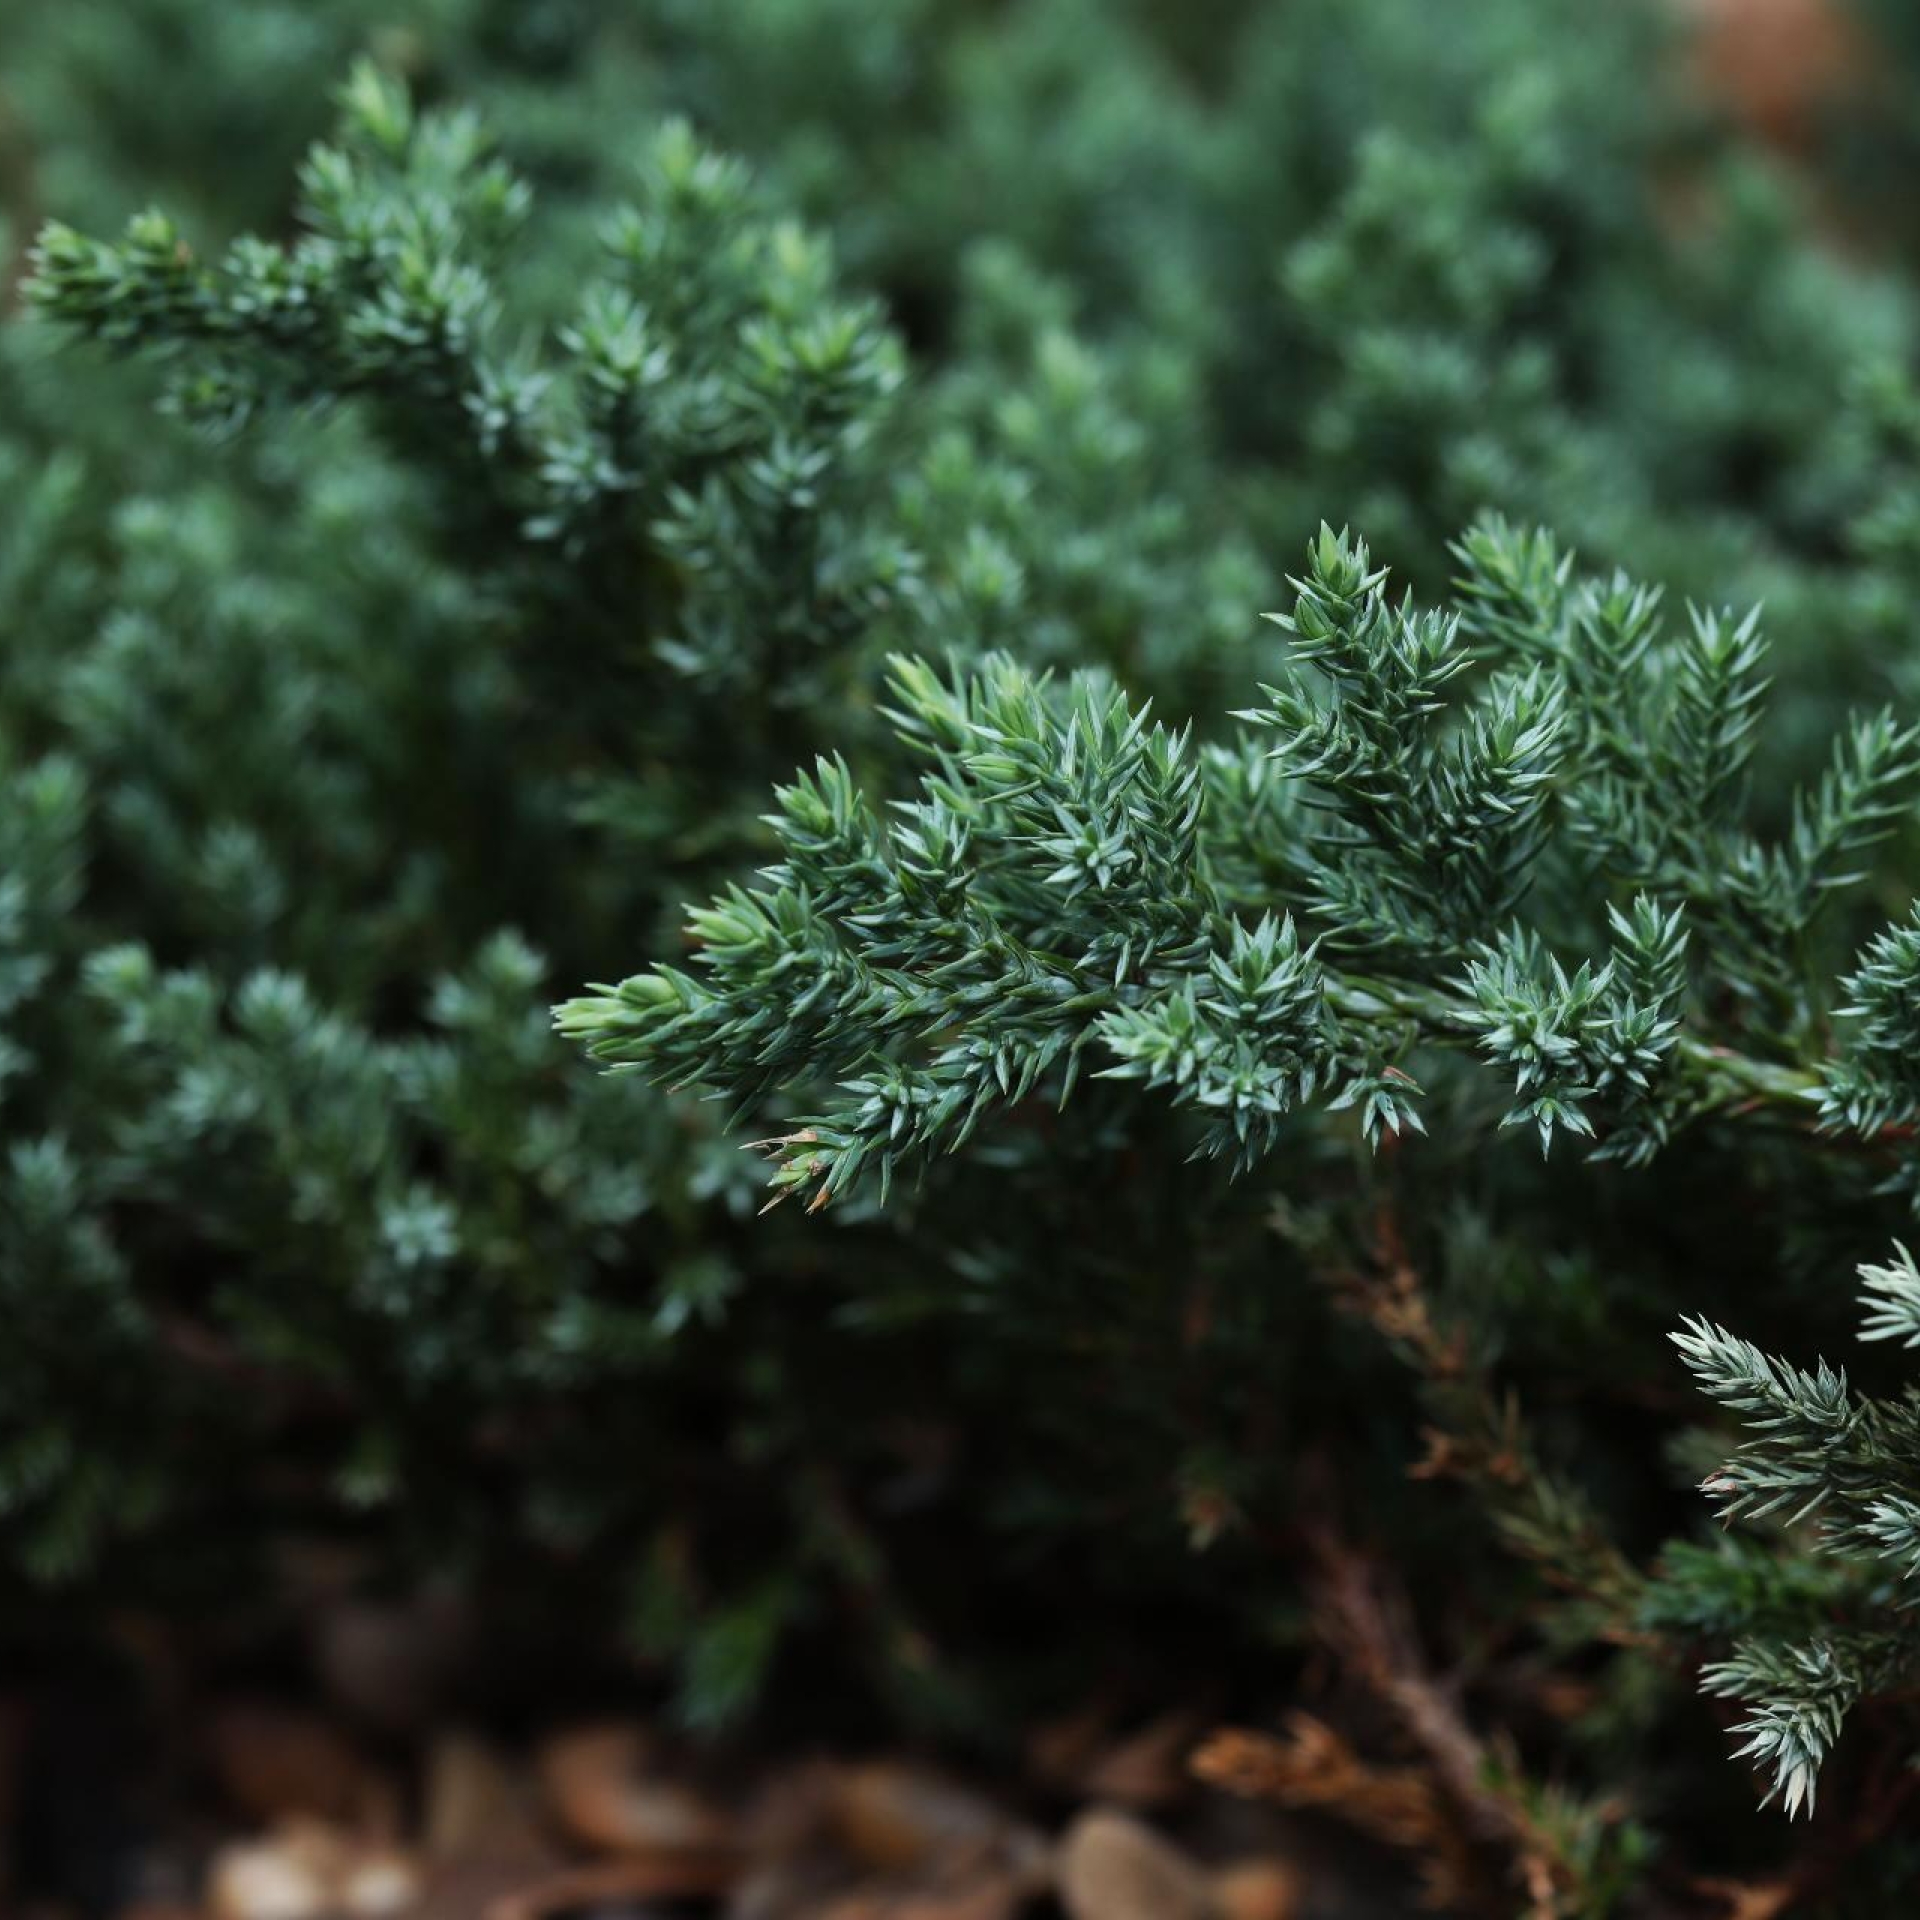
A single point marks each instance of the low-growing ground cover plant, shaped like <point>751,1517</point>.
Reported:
<point>1211,1066</point>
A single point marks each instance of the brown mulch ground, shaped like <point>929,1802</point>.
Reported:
<point>277,1812</point>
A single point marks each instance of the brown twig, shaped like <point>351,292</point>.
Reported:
<point>1478,1434</point>
<point>670,1876</point>
<point>1311,1767</point>
<point>1452,1808</point>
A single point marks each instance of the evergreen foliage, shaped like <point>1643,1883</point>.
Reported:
<point>1142,1001</point>
<point>1822,1448</point>
<point>1070,879</point>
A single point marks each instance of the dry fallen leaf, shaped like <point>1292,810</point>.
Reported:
<point>687,1876</point>
<point>1258,1890</point>
<point>602,1794</point>
<point>887,1841</point>
<point>1751,1899</point>
<point>1147,1768</point>
<point>793,1886</point>
<point>480,1833</point>
<point>473,1803</point>
<point>822,1886</point>
<point>1313,1766</point>
<point>306,1870</point>
<point>989,1896</point>
<point>1114,1867</point>
<point>267,1880</point>
<point>891,1816</point>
